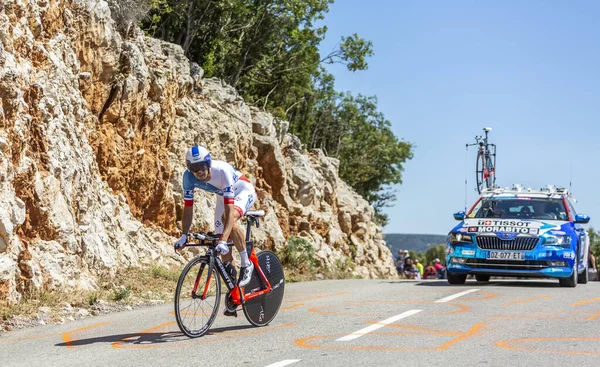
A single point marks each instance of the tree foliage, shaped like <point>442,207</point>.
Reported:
<point>269,51</point>
<point>594,241</point>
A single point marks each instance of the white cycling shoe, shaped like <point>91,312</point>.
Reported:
<point>246,274</point>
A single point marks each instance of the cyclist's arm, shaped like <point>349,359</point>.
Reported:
<point>186,222</point>
<point>188,206</point>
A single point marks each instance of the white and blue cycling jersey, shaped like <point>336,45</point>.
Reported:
<point>230,185</point>
<point>225,181</point>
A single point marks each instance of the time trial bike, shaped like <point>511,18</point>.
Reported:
<point>198,292</point>
<point>485,166</point>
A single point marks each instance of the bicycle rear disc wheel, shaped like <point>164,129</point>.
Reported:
<point>195,315</point>
<point>479,171</point>
<point>260,311</point>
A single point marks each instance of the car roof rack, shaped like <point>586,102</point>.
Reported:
<point>517,189</point>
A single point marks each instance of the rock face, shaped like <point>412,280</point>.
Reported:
<point>93,131</point>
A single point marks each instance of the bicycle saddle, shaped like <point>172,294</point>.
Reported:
<point>255,213</point>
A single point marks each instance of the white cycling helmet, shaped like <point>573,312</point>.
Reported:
<point>197,158</point>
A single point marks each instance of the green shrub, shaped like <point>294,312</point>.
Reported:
<point>122,294</point>
<point>299,253</point>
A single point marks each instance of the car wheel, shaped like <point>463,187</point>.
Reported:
<point>482,278</point>
<point>457,278</point>
<point>572,280</point>
<point>583,277</point>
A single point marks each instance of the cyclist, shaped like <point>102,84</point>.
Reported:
<point>235,195</point>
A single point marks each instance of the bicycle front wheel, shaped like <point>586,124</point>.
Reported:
<point>260,311</point>
<point>480,172</point>
<point>197,298</point>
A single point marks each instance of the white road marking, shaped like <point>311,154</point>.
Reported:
<point>454,296</point>
<point>284,363</point>
<point>376,326</point>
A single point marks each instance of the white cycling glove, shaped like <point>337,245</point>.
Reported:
<point>222,248</point>
<point>180,243</point>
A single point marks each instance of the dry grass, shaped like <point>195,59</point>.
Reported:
<point>130,287</point>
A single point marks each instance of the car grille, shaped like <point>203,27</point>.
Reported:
<point>507,264</point>
<point>497,243</point>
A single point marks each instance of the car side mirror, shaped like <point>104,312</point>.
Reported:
<point>461,215</point>
<point>583,219</point>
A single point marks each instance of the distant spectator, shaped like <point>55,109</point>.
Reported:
<point>419,267</point>
<point>439,268</point>
<point>408,263</point>
<point>592,265</point>
<point>400,262</point>
<point>430,273</point>
<point>410,271</point>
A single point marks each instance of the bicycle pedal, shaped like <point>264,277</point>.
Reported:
<point>230,313</point>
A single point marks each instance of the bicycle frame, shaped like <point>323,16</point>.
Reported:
<point>237,297</point>
<point>487,151</point>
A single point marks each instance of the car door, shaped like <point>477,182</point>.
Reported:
<point>583,242</point>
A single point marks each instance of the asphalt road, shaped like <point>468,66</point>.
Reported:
<point>344,323</point>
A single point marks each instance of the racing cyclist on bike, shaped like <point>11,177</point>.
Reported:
<point>235,195</point>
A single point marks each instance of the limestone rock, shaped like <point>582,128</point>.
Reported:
<point>93,133</point>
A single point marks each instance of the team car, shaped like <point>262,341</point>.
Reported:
<point>520,232</point>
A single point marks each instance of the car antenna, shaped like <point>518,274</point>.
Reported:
<point>466,150</point>
<point>570,176</point>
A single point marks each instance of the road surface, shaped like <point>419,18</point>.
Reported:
<point>344,323</point>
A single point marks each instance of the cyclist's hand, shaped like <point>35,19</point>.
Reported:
<point>180,243</point>
<point>222,248</point>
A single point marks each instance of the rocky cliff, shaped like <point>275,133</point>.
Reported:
<point>93,133</point>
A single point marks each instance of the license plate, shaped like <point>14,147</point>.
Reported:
<point>505,255</point>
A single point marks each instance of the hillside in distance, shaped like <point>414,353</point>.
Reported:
<point>415,242</point>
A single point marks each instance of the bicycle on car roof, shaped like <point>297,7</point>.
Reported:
<point>485,166</point>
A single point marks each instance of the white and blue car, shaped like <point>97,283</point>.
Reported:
<point>520,233</point>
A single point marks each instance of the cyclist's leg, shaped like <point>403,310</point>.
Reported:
<point>242,203</point>
<point>219,210</point>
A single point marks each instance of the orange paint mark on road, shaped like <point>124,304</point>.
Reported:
<point>508,345</point>
<point>489,295</point>
<point>592,318</point>
<point>66,337</point>
<point>320,310</point>
<point>525,300</point>
<point>535,317</point>
<point>546,315</point>
<point>438,332</point>
<point>317,297</point>
<point>461,309</point>
<point>305,343</point>
<point>585,302</point>
<point>474,330</point>
<point>459,336</point>
<point>292,306</point>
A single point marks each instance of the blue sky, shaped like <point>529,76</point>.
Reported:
<point>444,70</point>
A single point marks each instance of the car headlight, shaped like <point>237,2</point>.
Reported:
<point>455,238</point>
<point>564,241</point>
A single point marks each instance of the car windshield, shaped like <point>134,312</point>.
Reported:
<point>520,208</point>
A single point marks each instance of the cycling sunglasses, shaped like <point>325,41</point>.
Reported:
<point>198,166</point>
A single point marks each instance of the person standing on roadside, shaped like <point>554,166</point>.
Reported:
<point>400,263</point>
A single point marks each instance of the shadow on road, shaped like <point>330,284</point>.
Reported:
<point>522,283</point>
<point>494,283</point>
<point>143,338</point>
